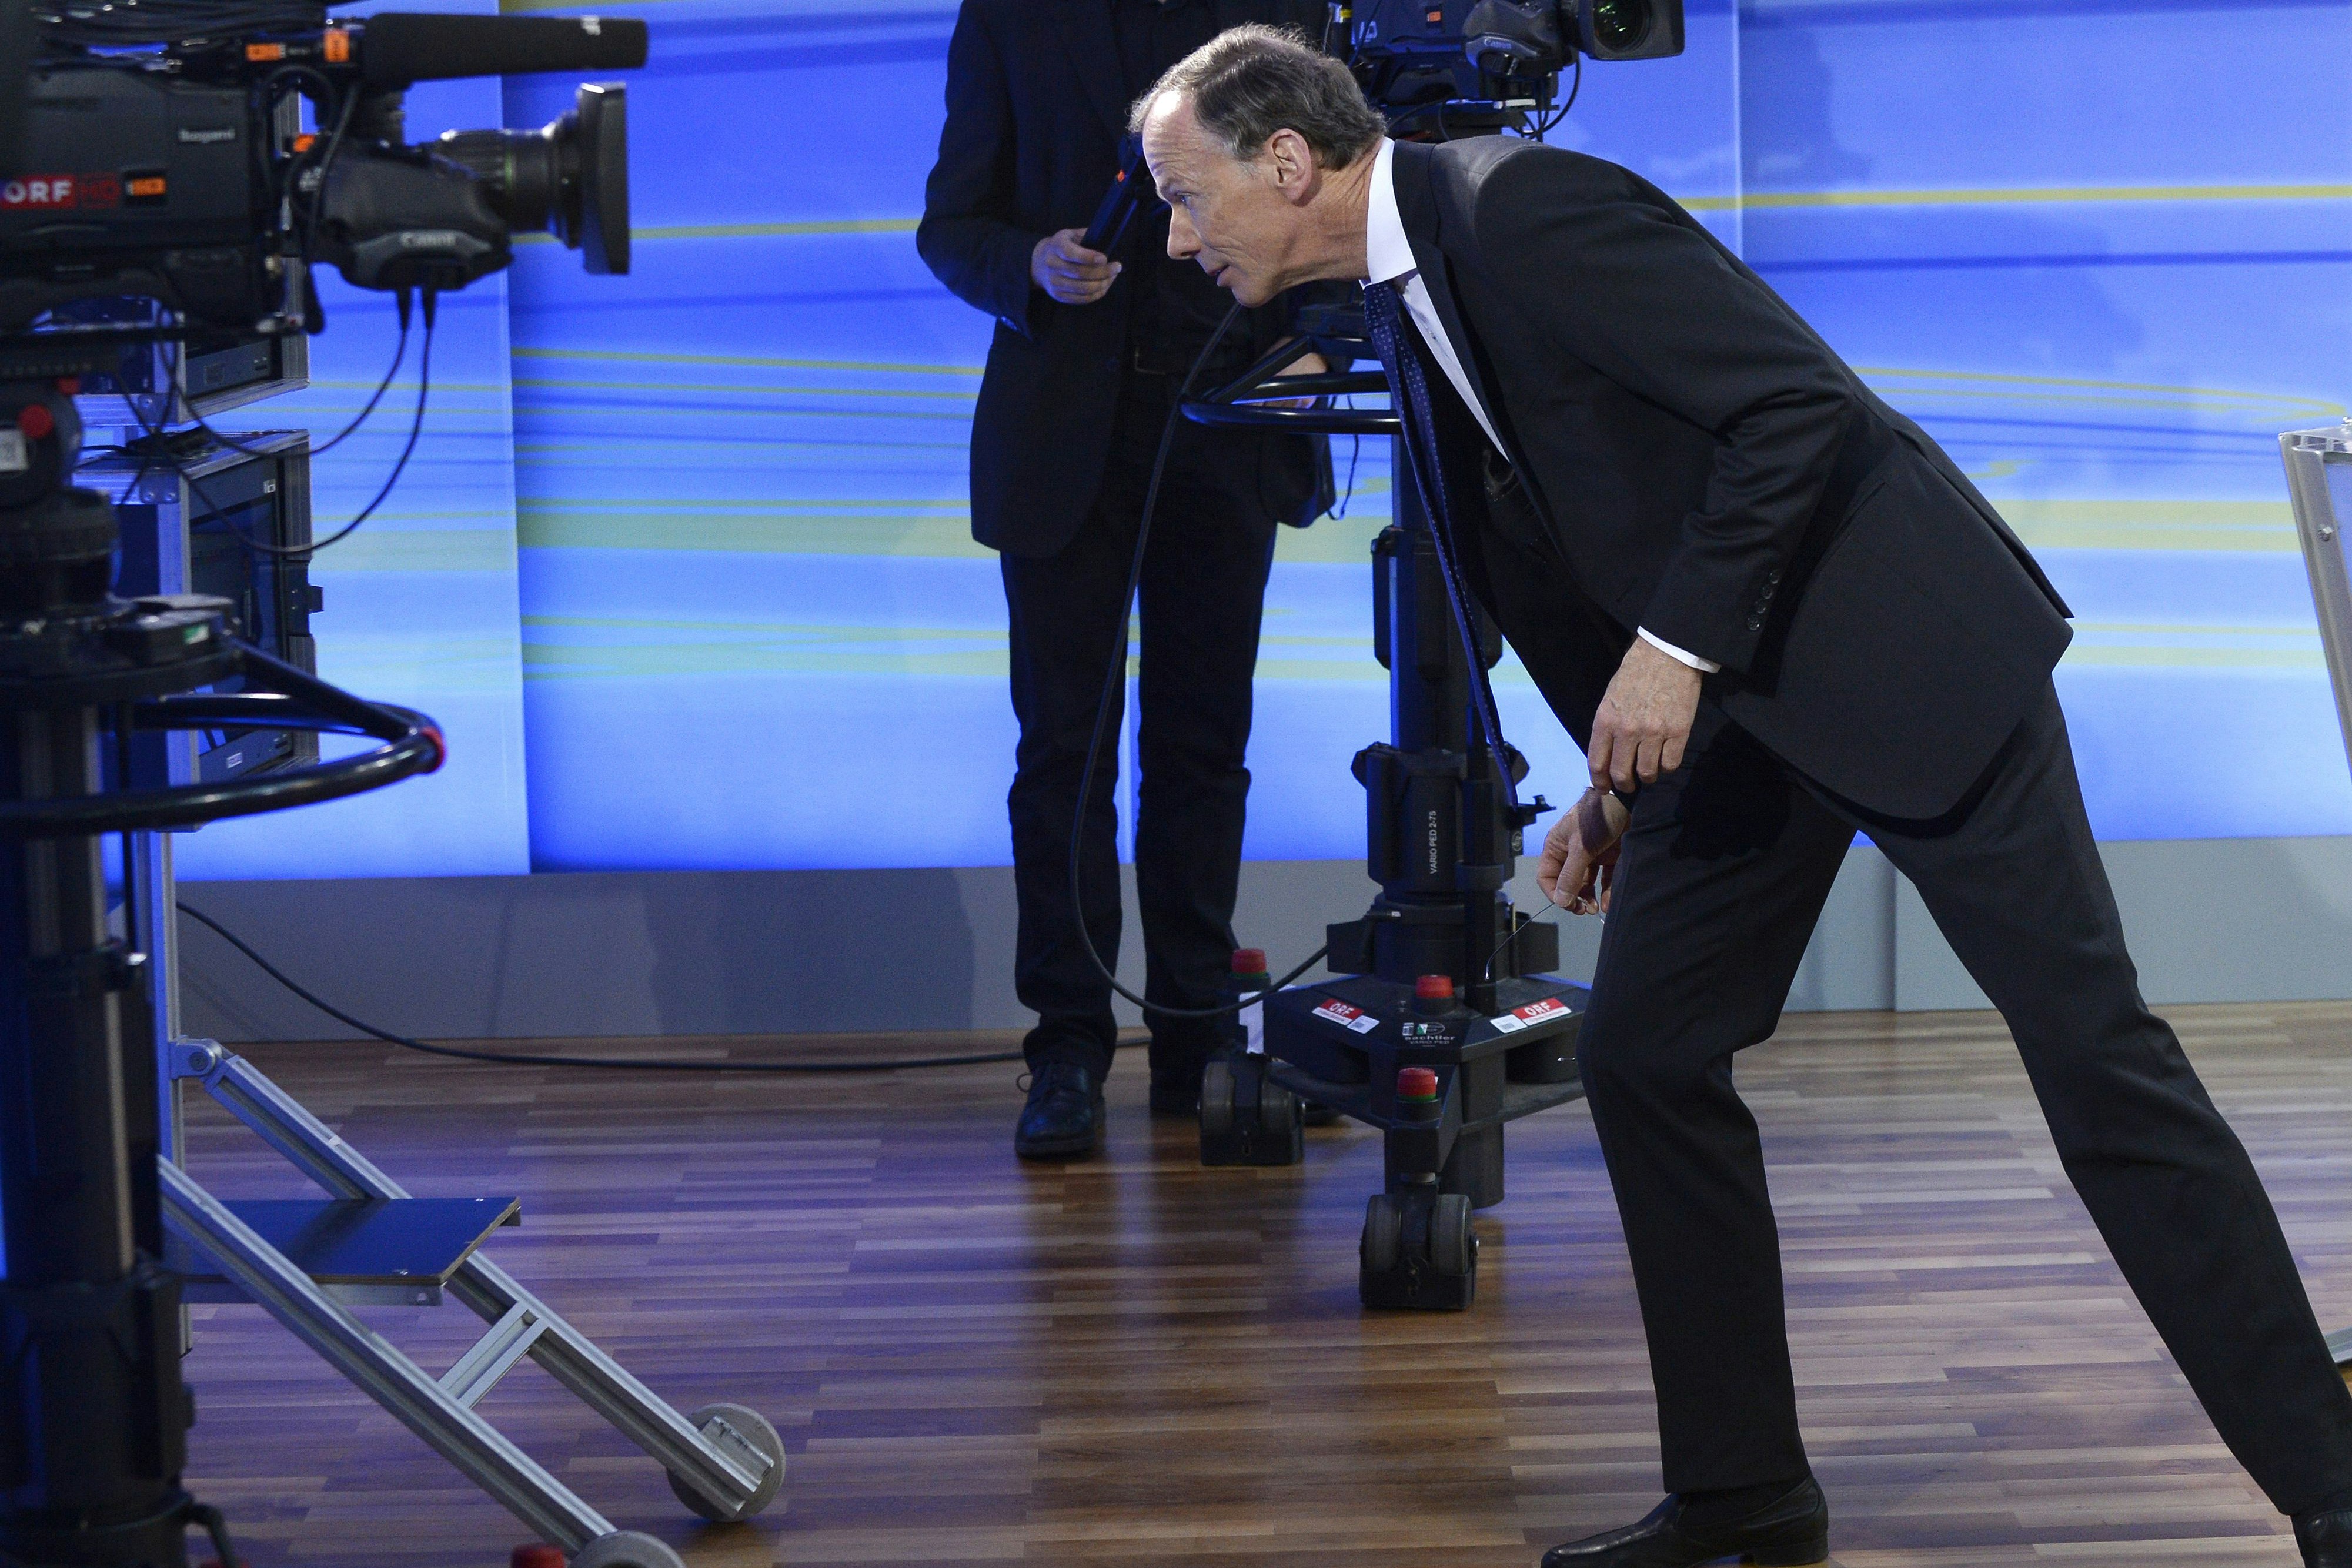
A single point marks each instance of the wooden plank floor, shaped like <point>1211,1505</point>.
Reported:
<point>1135,1361</point>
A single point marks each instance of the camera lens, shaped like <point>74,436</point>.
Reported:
<point>1619,25</point>
<point>569,179</point>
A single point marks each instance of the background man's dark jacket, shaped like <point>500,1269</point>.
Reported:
<point>1036,110</point>
<point>1712,471</point>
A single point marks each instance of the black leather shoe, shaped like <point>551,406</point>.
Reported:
<point>1065,1113</point>
<point>1177,1059</point>
<point>2325,1539</point>
<point>1791,1533</point>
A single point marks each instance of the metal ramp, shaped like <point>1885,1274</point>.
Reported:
<point>309,1261</point>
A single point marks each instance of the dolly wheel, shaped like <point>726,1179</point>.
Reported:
<point>1216,1100</point>
<point>738,1431</point>
<point>1279,1110</point>
<point>626,1549</point>
<point>1383,1234</point>
<point>1452,1244</point>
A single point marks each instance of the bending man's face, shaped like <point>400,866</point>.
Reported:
<point>1225,214</point>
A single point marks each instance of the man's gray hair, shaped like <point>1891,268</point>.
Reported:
<point>1250,81</point>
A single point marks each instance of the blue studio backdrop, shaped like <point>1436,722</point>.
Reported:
<point>683,562</point>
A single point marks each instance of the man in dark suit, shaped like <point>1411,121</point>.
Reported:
<point>1083,371</point>
<point>1773,613</point>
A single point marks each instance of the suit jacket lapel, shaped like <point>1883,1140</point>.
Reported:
<point>1094,49</point>
<point>1417,207</point>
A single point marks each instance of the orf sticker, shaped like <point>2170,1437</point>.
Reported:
<point>59,193</point>
<point>1355,1021</point>
<point>1518,1018</point>
<point>39,193</point>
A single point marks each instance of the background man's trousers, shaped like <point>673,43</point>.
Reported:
<point>1203,589</point>
<point>1724,868</point>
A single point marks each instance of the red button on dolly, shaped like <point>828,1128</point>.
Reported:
<point>1434,994</point>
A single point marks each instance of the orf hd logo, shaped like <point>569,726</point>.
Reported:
<point>55,192</point>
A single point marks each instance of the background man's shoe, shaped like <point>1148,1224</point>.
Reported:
<point>1790,1532</point>
<point>1177,1058</point>
<point>2325,1539</point>
<point>1176,1091</point>
<point>1063,1116</point>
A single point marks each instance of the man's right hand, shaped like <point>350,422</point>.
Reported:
<point>1069,272</point>
<point>1579,853</point>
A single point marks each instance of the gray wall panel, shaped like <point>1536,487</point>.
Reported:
<point>2209,920</point>
<point>848,952</point>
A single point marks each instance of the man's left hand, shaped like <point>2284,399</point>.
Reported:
<point>1645,720</point>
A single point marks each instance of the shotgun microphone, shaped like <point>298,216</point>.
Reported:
<point>398,48</point>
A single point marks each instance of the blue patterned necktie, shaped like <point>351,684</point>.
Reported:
<point>1409,391</point>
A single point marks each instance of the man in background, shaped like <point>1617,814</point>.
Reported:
<point>1082,375</point>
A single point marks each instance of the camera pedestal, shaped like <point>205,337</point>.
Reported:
<point>1443,836</point>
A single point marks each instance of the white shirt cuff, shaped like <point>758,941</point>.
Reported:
<point>1680,655</point>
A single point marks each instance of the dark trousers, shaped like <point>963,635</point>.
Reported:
<point>1203,590</point>
<point>1726,866</point>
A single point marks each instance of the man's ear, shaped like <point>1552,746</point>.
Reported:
<point>1292,162</point>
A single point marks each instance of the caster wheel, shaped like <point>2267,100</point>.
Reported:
<point>1383,1241</point>
<point>626,1549</point>
<point>1246,1118</point>
<point>1278,1110</point>
<point>1419,1254</point>
<point>743,1434</point>
<point>1216,1101</point>
<point>1452,1244</point>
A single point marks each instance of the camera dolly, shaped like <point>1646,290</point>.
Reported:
<point>1442,1022</point>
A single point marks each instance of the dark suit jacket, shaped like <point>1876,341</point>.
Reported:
<point>1035,109</point>
<point>1708,468</point>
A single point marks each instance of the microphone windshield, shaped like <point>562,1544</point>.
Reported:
<point>398,48</point>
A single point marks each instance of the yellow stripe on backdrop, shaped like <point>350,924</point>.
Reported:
<point>1747,201</point>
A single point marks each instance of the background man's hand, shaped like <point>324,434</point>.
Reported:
<point>1576,872</point>
<point>1305,365</point>
<point>1068,271</point>
<point>1644,719</point>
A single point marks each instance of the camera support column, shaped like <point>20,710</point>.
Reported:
<point>93,1412</point>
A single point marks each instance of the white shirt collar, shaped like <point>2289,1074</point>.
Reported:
<point>1388,254</point>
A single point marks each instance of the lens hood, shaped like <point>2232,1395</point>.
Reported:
<point>603,129</point>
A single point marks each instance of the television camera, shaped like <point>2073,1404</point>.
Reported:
<point>180,171</point>
<point>160,192</point>
<point>1456,68</point>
